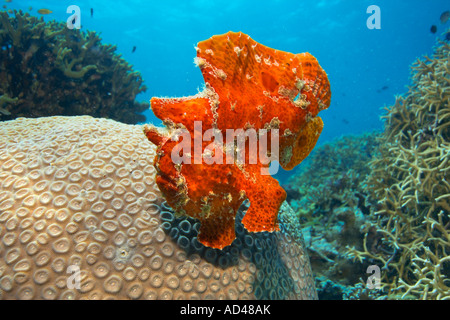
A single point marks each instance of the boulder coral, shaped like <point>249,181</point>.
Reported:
<point>47,69</point>
<point>249,87</point>
<point>81,217</point>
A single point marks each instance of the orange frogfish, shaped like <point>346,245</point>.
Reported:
<point>258,105</point>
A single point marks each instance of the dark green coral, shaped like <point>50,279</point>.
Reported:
<point>51,70</point>
<point>5,100</point>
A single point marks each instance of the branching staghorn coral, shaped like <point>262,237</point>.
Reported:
<point>411,182</point>
<point>51,70</point>
<point>329,197</point>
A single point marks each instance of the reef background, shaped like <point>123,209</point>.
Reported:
<point>359,61</point>
<point>382,198</point>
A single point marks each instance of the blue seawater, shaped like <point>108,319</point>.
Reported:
<point>366,67</point>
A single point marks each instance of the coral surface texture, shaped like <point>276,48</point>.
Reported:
<point>81,217</point>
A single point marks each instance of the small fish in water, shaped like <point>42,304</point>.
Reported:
<point>433,29</point>
<point>8,0</point>
<point>5,112</point>
<point>445,16</point>
<point>383,88</point>
<point>447,36</point>
<point>92,12</point>
<point>134,49</point>
<point>45,11</point>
